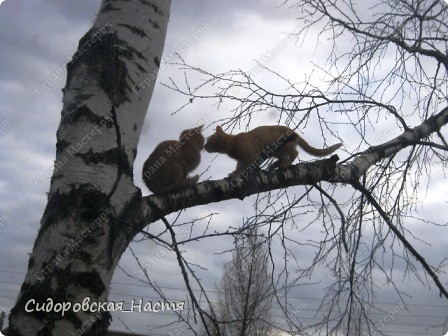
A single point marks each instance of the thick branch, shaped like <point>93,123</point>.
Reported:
<point>156,206</point>
<point>229,188</point>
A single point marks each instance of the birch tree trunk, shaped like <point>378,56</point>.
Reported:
<point>93,202</point>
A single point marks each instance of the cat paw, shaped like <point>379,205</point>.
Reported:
<point>194,179</point>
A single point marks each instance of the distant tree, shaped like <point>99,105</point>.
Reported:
<point>245,292</point>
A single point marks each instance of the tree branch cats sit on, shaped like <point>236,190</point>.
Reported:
<point>248,147</point>
<point>166,169</point>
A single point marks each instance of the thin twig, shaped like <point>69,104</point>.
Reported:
<point>400,236</point>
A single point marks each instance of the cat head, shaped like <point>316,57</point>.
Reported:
<point>216,142</point>
<point>193,136</point>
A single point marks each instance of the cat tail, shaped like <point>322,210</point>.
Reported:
<point>315,151</point>
<point>185,183</point>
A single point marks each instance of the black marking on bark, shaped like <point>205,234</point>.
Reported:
<point>131,52</point>
<point>379,150</point>
<point>122,160</point>
<point>247,187</point>
<point>154,24</point>
<point>61,146</point>
<point>280,174</point>
<point>111,156</point>
<point>84,96</point>
<point>155,8</point>
<point>83,113</point>
<point>157,212</point>
<point>61,206</point>
<point>418,134</point>
<point>133,29</point>
<point>125,224</point>
<point>135,127</point>
<point>79,98</point>
<point>65,279</point>
<point>433,124</point>
<point>47,330</point>
<point>89,280</point>
<point>44,289</point>
<point>110,7</point>
<point>113,76</point>
<point>219,192</point>
<point>11,331</point>
<point>121,154</point>
<point>93,203</point>
<point>132,214</point>
<point>445,120</point>
<point>102,56</point>
<point>31,262</point>
<point>402,140</point>
<point>329,168</point>
<point>354,172</point>
<point>36,292</point>
<point>157,62</point>
<point>111,240</point>
<point>140,68</point>
<point>83,255</point>
<point>310,176</point>
<point>100,324</point>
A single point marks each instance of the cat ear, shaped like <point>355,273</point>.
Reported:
<point>219,129</point>
<point>200,127</point>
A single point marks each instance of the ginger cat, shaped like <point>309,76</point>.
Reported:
<point>167,168</point>
<point>248,147</point>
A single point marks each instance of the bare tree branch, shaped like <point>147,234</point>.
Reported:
<point>401,237</point>
<point>300,174</point>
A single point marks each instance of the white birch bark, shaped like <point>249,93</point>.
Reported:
<point>91,206</point>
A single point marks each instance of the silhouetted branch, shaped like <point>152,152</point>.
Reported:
<point>401,237</point>
<point>300,174</point>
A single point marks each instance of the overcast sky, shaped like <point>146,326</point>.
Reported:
<point>38,37</point>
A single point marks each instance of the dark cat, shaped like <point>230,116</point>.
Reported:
<point>167,168</point>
